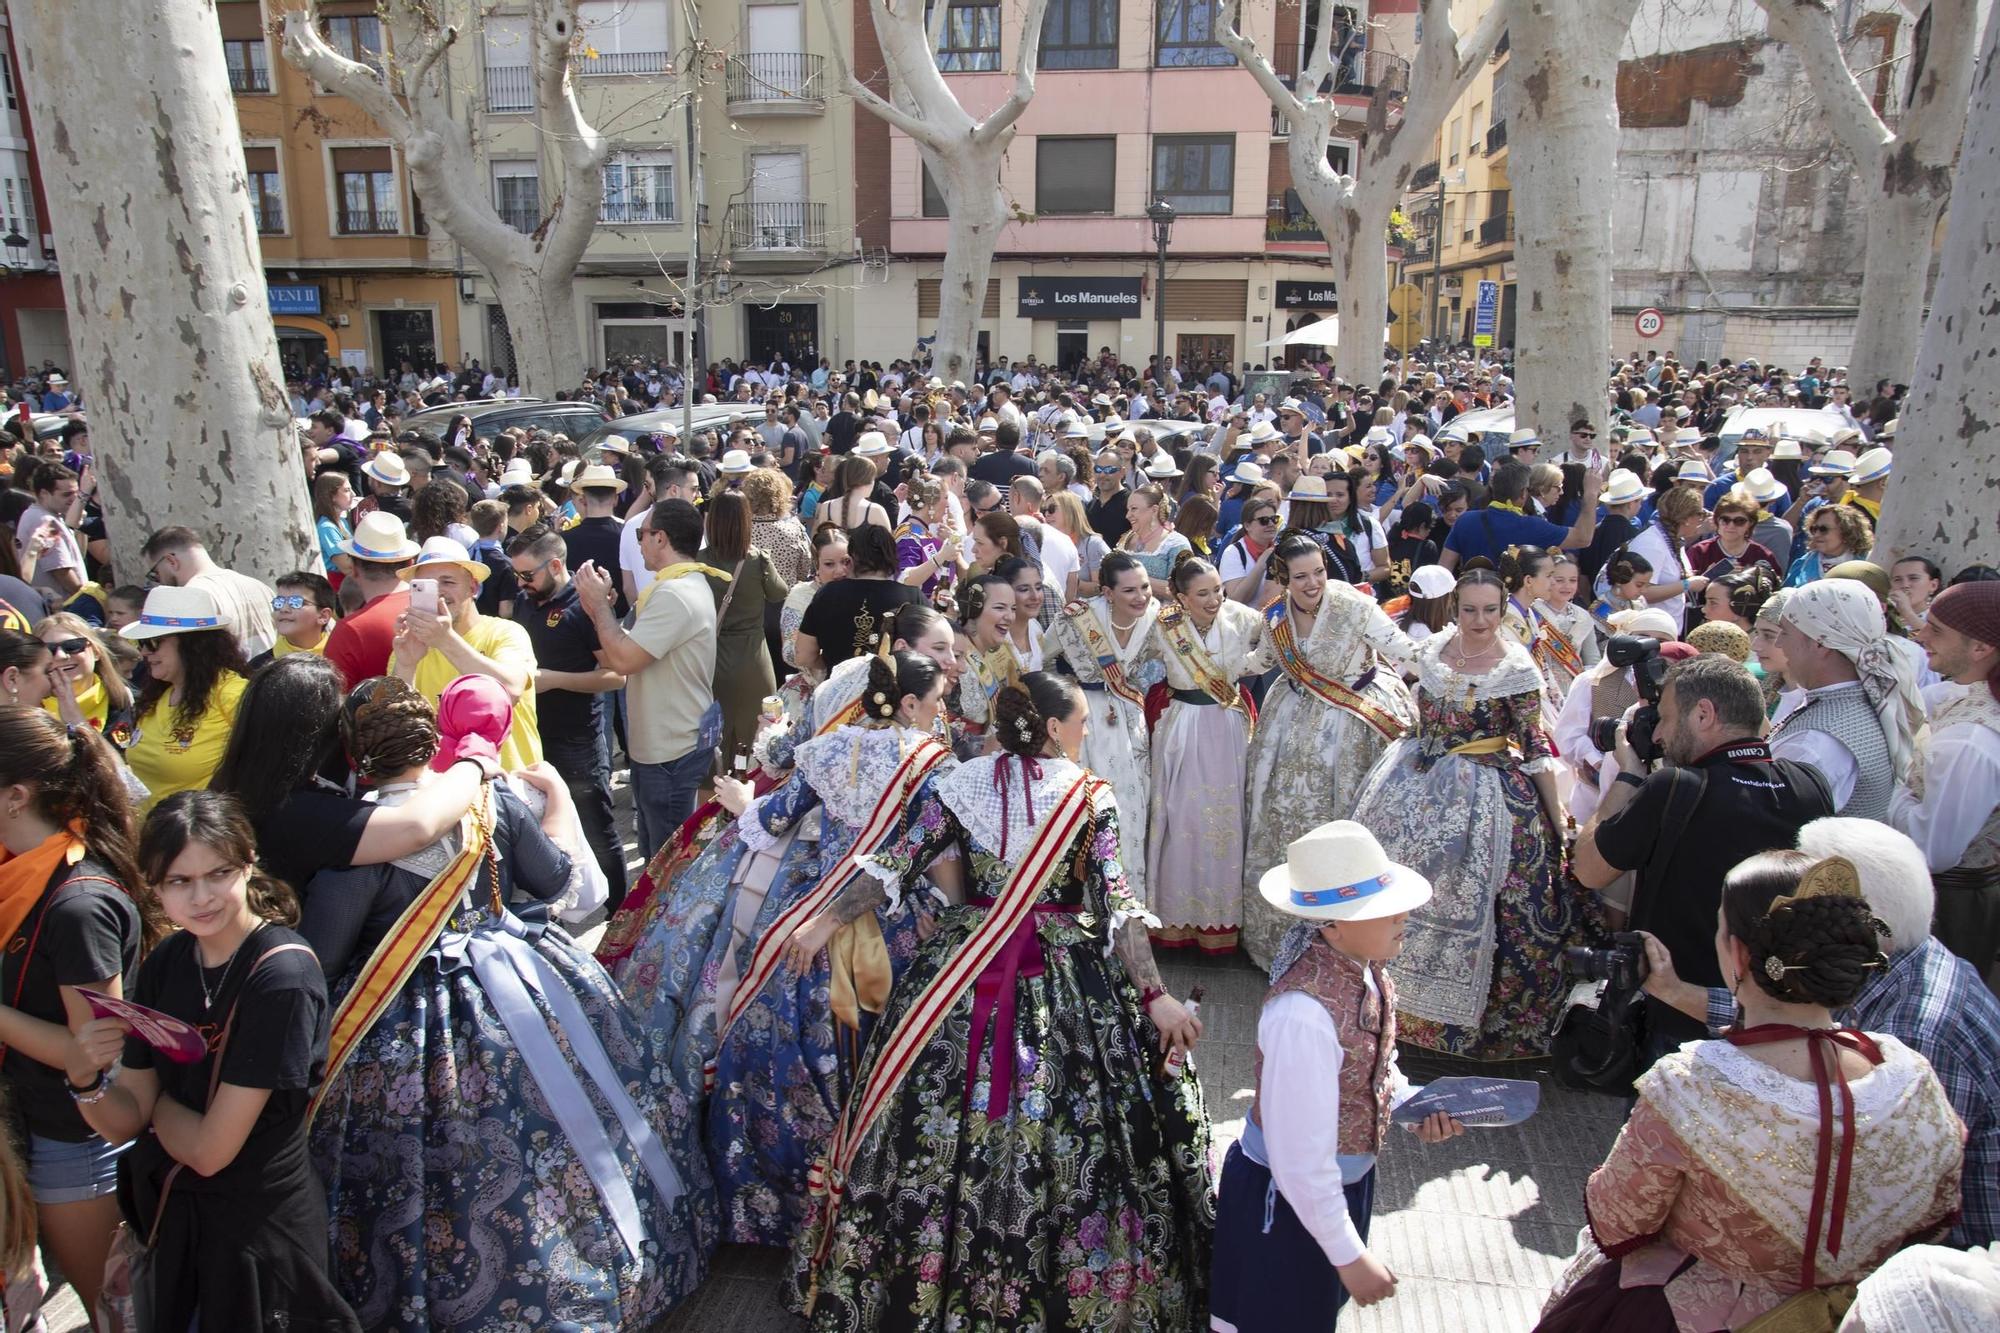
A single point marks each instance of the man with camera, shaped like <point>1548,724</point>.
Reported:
<point>1719,798</point>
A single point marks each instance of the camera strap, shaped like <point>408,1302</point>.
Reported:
<point>1685,788</point>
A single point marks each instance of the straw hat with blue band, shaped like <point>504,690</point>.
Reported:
<point>177,611</point>
<point>382,538</point>
<point>1338,872</point>
<point>439,552</point>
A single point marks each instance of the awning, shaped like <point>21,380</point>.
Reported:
<point>1323,333</point>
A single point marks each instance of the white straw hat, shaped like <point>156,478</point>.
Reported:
<point>1338,872</point>
<point>171,610</point>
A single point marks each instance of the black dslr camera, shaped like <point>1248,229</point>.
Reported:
<point>1649,672</point>
<point>1622,965</point>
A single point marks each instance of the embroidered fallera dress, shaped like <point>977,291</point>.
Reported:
<point>1076,1194</point>
<point>782,1069</point>
<point>503,1148</point>
<point>1310,757</point>
<point>1479,975</point>
<point>1116,747</point>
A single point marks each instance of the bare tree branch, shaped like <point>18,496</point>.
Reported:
<point>1233,41</point>
<point>862,93</point>
<point>1025,59</point>
<point>1810,28</point>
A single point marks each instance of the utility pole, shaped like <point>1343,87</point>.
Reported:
<point>691,293</point>
<point>1437,265</point>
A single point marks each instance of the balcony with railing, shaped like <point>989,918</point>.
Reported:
<point>522,217</point>
<point>1496,138</point>
<point>510,88</point>
<point>775,83</point>
<point>610,64</point>
<point>756,228</point>
<point>1419,247</point>
<point>1497,230</point>
<point>1357,72</point>
<point>1424,176</point>
<point>270,215</point>
<point>249,66</point>
<point>367,222</point>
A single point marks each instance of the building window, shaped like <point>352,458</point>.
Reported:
<point>639,187</point>
<point>971,38</point>
<point>933,203</point>
<point>364,188</point>
<point>1080,34</point>
<point>7,76</point>
<point>1074,175</point>
<point>517,194</point>
<point>248,70</point>
<point>17,208</point>
<point>1196,173</point>
<point>267,192</point>
<point>1457,142</point>
<point>1184,34</point>
<point>628,37</point>
<point>356,36</point>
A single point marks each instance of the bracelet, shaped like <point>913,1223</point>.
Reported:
<point>1148,995</point>
<point>1632,779</point>
<point>93,1094</point>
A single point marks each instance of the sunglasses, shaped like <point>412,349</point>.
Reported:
<point>1732,520</point>
<point>68,647</point>
<point>1107,471</point>
<point>290,601</point>
<point>1821,530</point>
<point>993,508</point>
<point>1265,520</point>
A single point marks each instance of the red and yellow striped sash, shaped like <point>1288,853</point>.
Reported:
<point>882,822</point>
<point>1285,639</point>
<point>389,968</point>
<point>917,1025</point>
<point>1101,648</point>
<point>1554,646</point>
<point>1187,645</point>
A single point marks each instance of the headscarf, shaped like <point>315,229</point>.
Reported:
<point>1843,615</point>
<point>1972,609</point>
<point>473,717</point>
<point>1929,1288</point>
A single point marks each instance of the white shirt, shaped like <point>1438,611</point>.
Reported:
<point>629,559</point>
<point>1822,750</point>
<point>1961,787</point>
<point>1059,561</point>
<point>65,553</point>
<point>1301,1118</point>
<point>1667,567</point>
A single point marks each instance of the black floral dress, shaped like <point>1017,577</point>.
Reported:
<point>1086,1202</point>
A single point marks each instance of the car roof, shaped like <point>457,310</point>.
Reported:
<point>651,423</point>
<point>1797,423</point>
<point>1485,420</point>
<point>479,407</point>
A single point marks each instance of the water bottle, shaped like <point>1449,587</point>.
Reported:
<point>1175,1060</point>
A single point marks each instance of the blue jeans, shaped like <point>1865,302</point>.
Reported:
<point>663,796</point>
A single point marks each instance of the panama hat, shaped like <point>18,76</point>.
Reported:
<point>1432,581</point>
<point>988,426</point>
<point>1311,489</point>
<point>176,611</point>
<point>440,551</point>
<point>1837,463</point>
<point>1623,488</point>
<point>614,444</point>
<point>1764,487</point>
<point>1687,437</point>
<point>1113,424</point>
<point>1786,448</point>
<point>599,477</point>
<point>1162,467</point>
<point>388,469</point>
<point>1074,429</point>
<point>1338,872</point>
<point>1694,472</point>
<point>382,538</point>
<point>1378,435</point>
<point>1872,466</point>
<point>872,444</point>
<point>735,463</point>
<point>1247,473</point>
<point>1525,438</point>
<point>1263,433</point>
<point>1888,431</point>
<point>518,472</point>
<point>1422,442</point>
<point>1292,405</point>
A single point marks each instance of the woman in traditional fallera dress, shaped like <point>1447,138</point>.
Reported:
<point>498,1143</point>
<point>1013,1155</point>
<point>1468,801</point>
<point>1744,1191</point>
<point>788,1041</point>
<point>1325,722</point>
<point>986,659</point>
<point>1105,642</point>
<point>1194,834</point>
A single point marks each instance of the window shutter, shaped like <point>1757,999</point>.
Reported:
<point>241,21</point>
<point>260,159</point>
<point>363,159</point>
<point>1207,298</point>
<point>929,298</point>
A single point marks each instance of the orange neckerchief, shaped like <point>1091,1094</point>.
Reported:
<point>23,877</point>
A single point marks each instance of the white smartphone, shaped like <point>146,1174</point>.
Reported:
<point>424,595</point>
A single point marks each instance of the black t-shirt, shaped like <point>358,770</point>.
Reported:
<point>847,616</point>
<point>1613,531</point>
<point>564,640</point>
<point>89,932</point>
<point>841,430</point>
<point>597,539</point>
<point>1001,469</point>
<point>311,830</point>
<point>1750,803</point>
<point>1107,517</point>
<point>277,1040</point>
<point>500,585</point>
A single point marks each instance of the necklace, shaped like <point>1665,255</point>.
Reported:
<point>201,972</point>
<point>1128,624</point>
<point>1465,660</point>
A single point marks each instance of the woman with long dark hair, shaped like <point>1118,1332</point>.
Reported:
<point>68,919</point>
<point>221,1188</point>
<point>195,682</point>
<point>846,617</point>
<point>744,675</point>
<point>1053,1167</point>
<point>333,498</point>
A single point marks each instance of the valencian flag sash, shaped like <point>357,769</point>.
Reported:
<point>1325,687</point>
<point>1187,645</point>
<point>906,1041</point>
<point>1101,647</point>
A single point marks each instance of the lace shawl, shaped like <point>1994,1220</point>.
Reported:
<point>1515,674</point>
<point>975,799</point>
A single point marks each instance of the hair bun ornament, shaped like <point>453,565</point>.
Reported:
<point>1835,877</point>
<point>1774,968</point>
<point>1027,731</point>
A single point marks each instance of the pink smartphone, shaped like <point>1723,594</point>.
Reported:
<point>424,595</point>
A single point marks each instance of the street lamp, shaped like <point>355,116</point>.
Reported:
<point>1162,215</point>
<point>17,245</point>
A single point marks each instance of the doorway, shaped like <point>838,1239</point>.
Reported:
<point>1072,346</point>
<point>1195,354</point>
<point>405,335</point>
<point>788,332</point>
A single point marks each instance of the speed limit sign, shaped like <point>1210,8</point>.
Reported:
<point>1649,322</point>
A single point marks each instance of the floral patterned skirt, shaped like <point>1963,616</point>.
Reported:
<point>1088,1205</point>
<point>456,1199</point>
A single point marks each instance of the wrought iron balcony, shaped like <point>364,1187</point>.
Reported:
<point>609,64</point>
<point>1424,176</point>
<point>368,222</point>
<point>773,228</point>
<point>1496,138</point>
<point>1494,231</point>
<point>775,83</point>
<point>521,217</point>
<point>510,88</point>
<point>1356,72</point>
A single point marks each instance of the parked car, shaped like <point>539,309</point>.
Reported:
<point>651,423</point>
<point>490,416</point>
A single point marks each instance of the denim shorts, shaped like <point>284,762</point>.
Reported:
<point>60,1172</point>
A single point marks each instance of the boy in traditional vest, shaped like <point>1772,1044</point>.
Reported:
<point>1291,1225</point>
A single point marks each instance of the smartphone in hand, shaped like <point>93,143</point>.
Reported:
<point>424,596</point>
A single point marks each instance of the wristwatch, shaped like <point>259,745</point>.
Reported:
<point>1632,779</point>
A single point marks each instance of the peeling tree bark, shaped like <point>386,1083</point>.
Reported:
<point>149,203</point>
<point>1561,106</point>
<point>963,154</point>
<point>534,275</point>
<point>1944,501</point>
<point>1352,211</point>
<point>1904,173</point>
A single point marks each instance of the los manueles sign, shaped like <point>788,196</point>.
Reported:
<point>1319,295</point>
<point>1086,298</point>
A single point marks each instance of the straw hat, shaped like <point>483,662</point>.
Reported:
<point>382,538</point>
<point>1247,473</point>
<point>735,463</point>
<point>1837,463</point>
<point>1872,466</point>
<point>599,477</point>
<point>1312,489</point>
<point>441,551</point>
<point>1338,872</point>
<point>176,611</point>
<point>614,444</point>
<point>1263,433</point>
<point>1648,620</point>
<point>1694,472</point>
<point>1161,467</point>
<point>1113,424</point>
<point>1787,449</point>
<point>872,444</point>
<point>1525,438</point>
<point>518,472</point>
<point>1764,487</point>
<point>388,469</point>
<point>1623,488</point>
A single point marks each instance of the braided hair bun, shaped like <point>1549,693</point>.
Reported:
<point>890,678</point>
<point>1811,935</point>
<point>388,727</point>
<point>1022,713</point>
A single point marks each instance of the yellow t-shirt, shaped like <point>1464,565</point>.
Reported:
<point>91,701</point>
<point>168,762</point>
<point>285,646</point>
<point>508,644</point>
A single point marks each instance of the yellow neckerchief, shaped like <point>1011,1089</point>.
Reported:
<point>674,571</point>
<point>1502,504</point>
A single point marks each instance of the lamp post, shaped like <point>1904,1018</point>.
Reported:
<point>1162,215</point>
<point>17,246</point>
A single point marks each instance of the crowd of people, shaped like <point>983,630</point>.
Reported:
<point>942,707</point>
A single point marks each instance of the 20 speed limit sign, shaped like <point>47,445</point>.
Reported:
<point>1649,322</point>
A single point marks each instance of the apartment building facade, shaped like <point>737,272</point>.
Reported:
<point>34,326</point>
